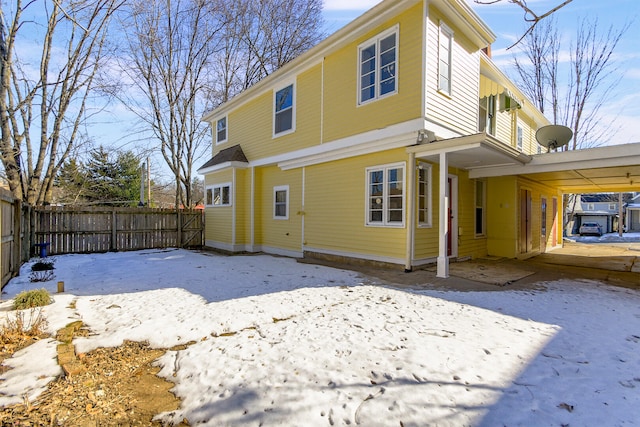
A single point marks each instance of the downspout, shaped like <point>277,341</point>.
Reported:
<point>253,213</point>
<point>302,213</point>
<point>233,212</point>
<point>411,221</point>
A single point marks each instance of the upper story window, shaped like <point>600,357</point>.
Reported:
<point>519,138</point>
<point>378,66</point>
<point>613,206</point>
<point>487,115</point>
<point>591,206</point>
<point>218,195</point>
<point>221,130</point>
<point>284,110</point>
<point>385,195</point>
<point>281,202</point>
<point>424,195</point>
<point>444,58</point>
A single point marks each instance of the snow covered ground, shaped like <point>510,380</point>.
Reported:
<point>282,343</point>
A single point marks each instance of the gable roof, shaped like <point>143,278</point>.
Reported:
<point>228,155</point>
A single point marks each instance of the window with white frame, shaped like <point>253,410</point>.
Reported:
<point>519,136</point>
<point>613,206</point>
<point>480,204</point>
<point>378,66</point>
<point>218,195</point>
<point>385,195</point>
<point>591,207</point>
<point>284,110</point>
<point>487,115</point>
<point>424,195</point>
<point>444,58</point>
<point>221,130</point>
<point>281,202</point>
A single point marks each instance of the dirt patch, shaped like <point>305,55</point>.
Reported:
<point>118,388</point>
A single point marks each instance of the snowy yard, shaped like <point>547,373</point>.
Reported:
<point>282,343</point>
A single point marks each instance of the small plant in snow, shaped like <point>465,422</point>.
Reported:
<point>20,326</point>
<point>32,298</point>
<point>42,271</point>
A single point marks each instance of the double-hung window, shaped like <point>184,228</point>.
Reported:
<point>385,195</point>
<point>424,195</point>
<point>444,58</point>
<point>284,110</point>
<point>480,203</point>
<point>281,202</point>
<point>218,195</point>
<point>487,115</point>
<point>519,137</point>
<point>378,67</point>
<point>221,130</point>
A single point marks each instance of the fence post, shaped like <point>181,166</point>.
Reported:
<point>17,238</point>
<point>179,233</point>
<point>114,230</point>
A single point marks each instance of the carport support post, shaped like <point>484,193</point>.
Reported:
<point>620,217</point>
<point>443,260</point>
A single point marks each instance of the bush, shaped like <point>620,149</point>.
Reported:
<point>32,298</point>
<point>42,271</point>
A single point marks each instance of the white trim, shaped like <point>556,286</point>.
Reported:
<point>376,41</point>
<point>224,246</point>
<point>252,208</point>
<point>429,196</point>
<point>367,257</point>
<point>302,212</point>
<point>394,136</point>
<point>235,208</point>
<point>600,157</point>
<point>279,251</point>
<point>277,89</point>
<point>276,189</point>
<point>222,166</point>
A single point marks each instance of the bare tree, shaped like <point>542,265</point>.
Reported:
<point>42,108</point>
<point>170,44</point>
<point>530,16</point>
<point>573,101</point>
<point>255,47</point>
<point>184,57</point>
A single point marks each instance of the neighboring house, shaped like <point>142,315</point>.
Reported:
<point>602,208</point>
<point>632,223</point>
<point>396,140</point>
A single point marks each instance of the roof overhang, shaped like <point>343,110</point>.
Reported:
<point>471,152</point>
<point>613,168</point>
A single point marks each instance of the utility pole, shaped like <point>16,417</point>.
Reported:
<point>148,183</point>
<point>143,170</point>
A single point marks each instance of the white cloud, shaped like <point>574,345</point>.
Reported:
<point>350,4</point>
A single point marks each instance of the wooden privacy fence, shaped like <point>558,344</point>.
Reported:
<point>10,230</point>
<point>101,229</point>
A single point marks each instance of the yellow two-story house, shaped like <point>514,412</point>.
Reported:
<point>370,146</point>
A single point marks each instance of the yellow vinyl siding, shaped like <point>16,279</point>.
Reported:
<point>251,127</point>
<point>538,192</point>
<point>218,220</point>
<point>342,115</point>
<point>278,233</point>
<point>242,195</point>
<point>502,219</point>
<point>458,110</point>
<point>468,243</point>
<point>335,209</point>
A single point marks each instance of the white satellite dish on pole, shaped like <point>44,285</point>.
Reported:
<point>554,136</point>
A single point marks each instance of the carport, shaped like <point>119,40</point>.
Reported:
<point>612,169</point>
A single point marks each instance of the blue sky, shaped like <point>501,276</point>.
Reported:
<point>506,21</point>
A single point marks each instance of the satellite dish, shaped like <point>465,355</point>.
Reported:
<point>554,136</point>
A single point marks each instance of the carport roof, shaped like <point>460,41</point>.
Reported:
<point>613,168</point>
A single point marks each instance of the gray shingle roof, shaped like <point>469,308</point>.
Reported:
<point>231,154</point>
